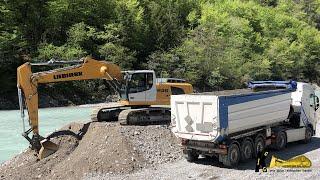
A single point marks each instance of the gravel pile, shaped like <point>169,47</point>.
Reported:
<point>155,143</point>
<point>105,148</point>
<point>27,166</point>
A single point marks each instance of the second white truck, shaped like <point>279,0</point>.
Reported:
<point>235,125</point>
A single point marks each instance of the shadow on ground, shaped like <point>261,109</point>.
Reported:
<point>293,149</point>
<point>77,135</point>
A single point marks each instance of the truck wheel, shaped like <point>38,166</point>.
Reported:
<point>191,156</point>
<point>281,140</point>
<point>308,135</point>
<point>259,145</point>
<point>233,156</point>
<point>246,149</point>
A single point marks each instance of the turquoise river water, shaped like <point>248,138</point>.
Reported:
<point>11,141</point>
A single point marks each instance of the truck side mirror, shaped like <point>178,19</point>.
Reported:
<point>317,104</point>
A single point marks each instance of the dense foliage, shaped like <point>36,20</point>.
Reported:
<point>215,44</point>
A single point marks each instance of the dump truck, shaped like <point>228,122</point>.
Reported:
<point>235,125</point>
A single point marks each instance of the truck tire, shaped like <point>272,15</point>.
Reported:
<point>259,144</point>
<point>281,140</point>
<point>246,149</point>
<point>308,135</point>
<point>233,156</point>
<point>191,156</point>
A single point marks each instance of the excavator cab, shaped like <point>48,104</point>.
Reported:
<point>140,86</point>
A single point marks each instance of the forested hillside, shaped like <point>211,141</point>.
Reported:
<point>215,44</point>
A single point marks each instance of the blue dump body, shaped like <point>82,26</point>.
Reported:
<point>226,101</point>
<point>272,85</point>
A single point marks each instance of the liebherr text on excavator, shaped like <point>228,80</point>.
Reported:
<point>140,91</point>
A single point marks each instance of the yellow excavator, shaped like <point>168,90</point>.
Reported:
<point>140,92</point>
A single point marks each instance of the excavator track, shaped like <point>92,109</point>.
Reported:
<point>128,115</point>
<point>107,114</point>
<point>145,116</point>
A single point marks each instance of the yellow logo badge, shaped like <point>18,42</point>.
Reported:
<point>295,162</point>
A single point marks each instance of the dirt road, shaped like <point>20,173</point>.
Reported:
<point>211,169</point>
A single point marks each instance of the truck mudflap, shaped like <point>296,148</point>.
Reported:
<point>204,147</point>
<point>205,150</point>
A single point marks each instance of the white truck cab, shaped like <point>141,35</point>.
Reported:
<point>305,102</point>
<point>303,90</point>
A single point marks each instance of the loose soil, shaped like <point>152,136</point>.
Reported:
<point>105,148</point>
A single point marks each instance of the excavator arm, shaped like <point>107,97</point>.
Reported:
<point>27,83</point>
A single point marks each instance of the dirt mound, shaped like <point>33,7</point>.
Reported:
<point>155,143</point>
<point>105,148</point>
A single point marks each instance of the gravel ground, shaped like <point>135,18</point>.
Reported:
<point>155,143</point>
<point>111,151</point>
<point>181,170</point>
<point>211,169</point>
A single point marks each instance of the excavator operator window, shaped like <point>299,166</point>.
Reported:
<point>140,82</point>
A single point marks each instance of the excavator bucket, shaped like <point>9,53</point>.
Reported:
<point>47,148</point>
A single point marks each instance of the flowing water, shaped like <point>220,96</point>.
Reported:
<point>11,141</point>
